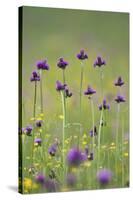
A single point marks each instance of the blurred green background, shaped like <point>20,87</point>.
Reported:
<point>50,33</point>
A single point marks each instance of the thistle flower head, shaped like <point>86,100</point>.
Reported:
<point>104,176</point>
<point>51,185</point>
<point>28,130</point>
<point>99,62</point>
<point>119,82</point>
<point>42,64</point>
<point>89,91</point>
<point>120,99</point>
<point>67,92</point>
<point>38,141</point>
<point>60,86</point>
<point>75,157</point>
<point>71,179</point>
<point>52,149</point>
<point>82,55</point>
<point>93,132</point>
<point>62,63</point>
<point>40,178</point>
<point>104,105</point>
<point>35,76</point>
<point>39,123</point>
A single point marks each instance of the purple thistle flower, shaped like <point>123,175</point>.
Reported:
<point>42,65</point>
<point>87,150</point>
<point>119,82</point>
<point>40,178</point>
<point>68,93</point>
<point>62,63</point>
<point>39,123</point>
<point>51,185</point>
<point>89,91</point>
<point>38,141</point>
<point>35,76</point>
<point>91,156</point>
<point>104,105</point>
<point>60,86</point>
<point>71,180</point>
<point>28,130</point>
<point>104,176</point>
<point>82,55</point>
<point>52,149</point>
<point>93,132</point>
<point>99,62</point>
<point>120,99</point>
<point>75,157</point>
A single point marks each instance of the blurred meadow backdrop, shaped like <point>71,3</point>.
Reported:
<point>51,33</point>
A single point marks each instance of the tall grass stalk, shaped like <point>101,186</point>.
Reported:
<point>63,128</point>
<point>41,90</point>
<point>93,123</point>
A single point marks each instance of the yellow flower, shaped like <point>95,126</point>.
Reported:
<point>61,117</point>
<point>32,119</point>
<point>39,118</point>
<point>27,183</point>
<point>112,144</point>
<point>126,154</point>
<point>87,164</point>
<point>41,115</point>
<point>84,136</point>
<point>84,142</point>
<point>67,141</point>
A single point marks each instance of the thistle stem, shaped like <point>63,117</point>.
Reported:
<point>80,93</point>
<point>63,128</point>
<point>34,110</point>
<point>41,91</point>
<point>64,82</point>
<point>93,129</point>
<point>99,137</point>
<point>117,136</point>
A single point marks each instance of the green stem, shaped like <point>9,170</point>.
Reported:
<point>92,112</point>
<point>64,82</point>
<point>34,110</point>
<point>34,115</point>
<point>117,137</point>
<point>80,93</point>
<point>99,137</point>
<point>122,153</point>
<point>41,91</point>
<point>63,128</point>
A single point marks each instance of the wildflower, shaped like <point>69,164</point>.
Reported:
<point>93,132</point>
<point>52,149</point>
<point>91,156</point>
<point>27,183</point>
<point>39,123</point>
<point>104,105</point>
<point>120,99</point>
<point>51,185</point>
<point>99,62</point>
<point>35,76</point>
<point>119,82</point>
<point>87,150</point>
<point>71,180</point>
<point>67,92</point>
<point>89,91</point>
<point>28,130</point>
<point>62,63</point>
<point>82,55</point>
<point>42,65</point>
<point>38,141</point>
<point>60,86</point>
<point>40,179</point>
<point>75,157</point>
<point>104,176</point>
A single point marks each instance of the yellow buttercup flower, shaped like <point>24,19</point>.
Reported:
<point>126,154</point>
<point>61,117</point>
<point>27,184</point>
